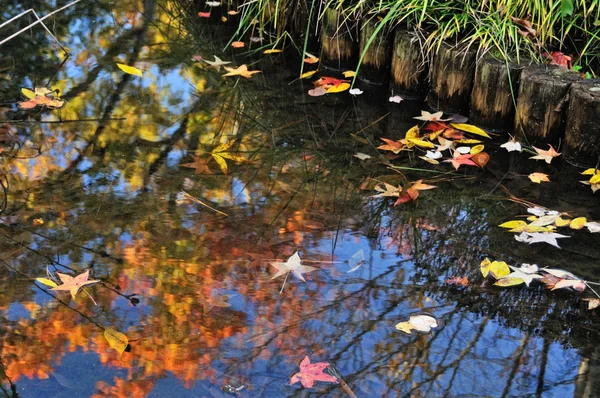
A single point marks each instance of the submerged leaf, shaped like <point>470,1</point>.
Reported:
<point>131,70</point>
<point>116,340</point>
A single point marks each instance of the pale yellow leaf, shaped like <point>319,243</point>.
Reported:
<point>272,51</point>
<point>513,224</point>
<point>308,74</point>
<point>28,93</point>
<point>504,282</point>
<point>47,282</point>
<point>349,73</point>
<point>476,149</point>
<point>420,143</point>
<point>470,129</point>
<point>221,162</point>
<point>559,222</point>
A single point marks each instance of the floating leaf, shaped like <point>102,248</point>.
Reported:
<point>469,141</point>
<point>272,51</point>
<point>238,44</point>
<point>547,156</point>
<point>396,99</point>
<point>349,73</point>
<point>131,70</point>
<point>421,323</point>
<point>311,59</point>
<point>476,149</point>
<point>74,283</point>
<point>480,159</point>
<point>242,70</point>
<point>204,14</point>
<point>308,74</point>
<point>578,223</point>
<point>587,172</point>
<point>508,281</point>
<point>28,93</point>
<point>420,143</point>
<point>498,269</point>
<point>116,340</point>
<point>339,88</point>
<point>312,372</point>
<point>470,129</point>
<point>47,282</point>
<point>559,222</point>
<point>317,92</point>
<point>355,91</point>
<point>538,177</point>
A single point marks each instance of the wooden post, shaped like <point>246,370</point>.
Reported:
<point>338,42</point>
<point>451,78</point>
<point>409,67</point>
<point>541,103</point>
<point>375,65</point>
<point>582,132</point>
<point>494,94</point>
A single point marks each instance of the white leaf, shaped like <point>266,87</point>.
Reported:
<point>527,277</point>
<point>396,98</point>
<point>593,226</point>
<point>422,323</point>
<point>512,146</point>
<point>538,237</point>
<point>362,156</point>
<point>433,155</point>
<point>357,260</point>
<point>570,283</point>
<point>463,150</point>
<point>356,91</point>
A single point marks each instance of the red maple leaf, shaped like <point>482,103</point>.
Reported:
<point>311,372</point>
<point>459,159</point>
<point>327,80</point>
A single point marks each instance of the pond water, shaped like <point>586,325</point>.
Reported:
<point>184,254</point>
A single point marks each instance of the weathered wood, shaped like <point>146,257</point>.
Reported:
<point>338,41</point>
<point>495,85</point>
<point>541,103</point>
<point>451,79</point>
<point>582,131</point>
<point>409,67</point>
<point>375,66</point>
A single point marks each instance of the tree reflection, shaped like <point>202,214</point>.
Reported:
<point>191,287</point>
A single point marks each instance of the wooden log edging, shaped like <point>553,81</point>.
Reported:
<point>494,91</point>
<point>338,41</point>
<point>541,103</point>
<point>409,66</point>
<point>375,66</point>
<point>451,78</point>
<point>582,132</point>
<point>486,89</point>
